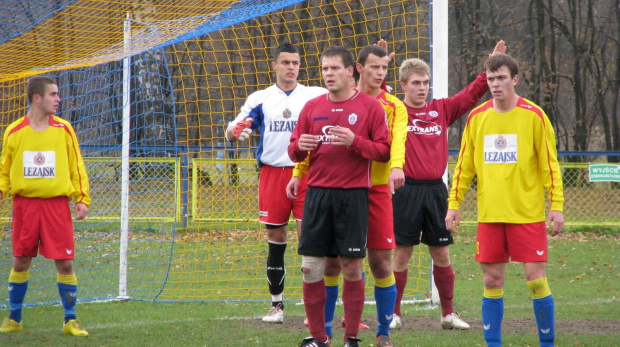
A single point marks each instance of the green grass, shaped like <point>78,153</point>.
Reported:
<point>583,274</point>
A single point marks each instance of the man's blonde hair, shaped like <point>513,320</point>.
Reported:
<point>413,66</point>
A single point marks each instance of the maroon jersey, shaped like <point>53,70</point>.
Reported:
<point>426,153</point>
<point>334,166</point>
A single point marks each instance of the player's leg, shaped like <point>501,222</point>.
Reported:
<point>18,286</point>
<point>274,211</point>
<point>528,244</point>
<point>25,245</point>
<point>352,294</point>
<point>408,208</point>
<point>444,278</point>
<point>439,239</point>
<point>67,289</point>
<point>350,230</point>
<point>492,254</point>
<point>315,243</point>
<point>493,302</point>
<point>385,289</point>
<point>276,271</point>
<point>331,276</point>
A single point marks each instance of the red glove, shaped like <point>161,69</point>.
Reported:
<point>243,128</point>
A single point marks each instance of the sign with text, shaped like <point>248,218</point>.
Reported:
<point>605,173</point>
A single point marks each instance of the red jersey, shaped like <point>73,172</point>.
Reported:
<point>426,153</point>
<point>339,166</point>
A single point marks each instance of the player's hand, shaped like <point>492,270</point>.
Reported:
<point>81,210</point>
<point>342,136</point>
<point>292,188</point>
<point>243,129</point>
<point>453,221</point>
<point>557,218</point>
<point>383,44</point>
<point>500,48</point>
<point>397,179</point>
<point>307,142</point>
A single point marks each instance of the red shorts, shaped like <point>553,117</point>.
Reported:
<point>45,224</point>
<point>380,218</point>
<point>497,242</point>
<point>273,205</point>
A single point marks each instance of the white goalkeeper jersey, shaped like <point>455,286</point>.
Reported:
<point>275,114</point>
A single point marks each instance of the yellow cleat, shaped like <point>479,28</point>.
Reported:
<point>72,327</point>
<point>10,326</point>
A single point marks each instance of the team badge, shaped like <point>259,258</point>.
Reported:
<point>500,142</point>
<point>352,118</point>
<point>287,113</point>
<point>39,159</point>
<point>433,114</point>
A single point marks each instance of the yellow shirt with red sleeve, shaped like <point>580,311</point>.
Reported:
<point>397,127</point>
<point>514,158</point>
<point>43,164</point>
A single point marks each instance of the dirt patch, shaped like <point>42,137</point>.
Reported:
<point>509,325</point>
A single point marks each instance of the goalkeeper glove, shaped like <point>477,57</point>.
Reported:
<point>243,129</point>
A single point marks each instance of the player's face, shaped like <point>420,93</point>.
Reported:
<point>287,67</point>
<point>335,75</point>
<point>416,89</point>
<point>48,103</point>
<point>501,85</point>
<point>373,73</point>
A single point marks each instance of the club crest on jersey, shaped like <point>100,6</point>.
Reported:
<point>38,159</point>
<point>433,114</point>
<point>500,142</point>
<point>287,113</point>
<point>352,118</point>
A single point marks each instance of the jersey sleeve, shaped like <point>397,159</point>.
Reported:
<point>467,98</point>
<point>5,163</point>
<point>301,128</point>
<point>464,171</point>
<point>251,108</point>
<point>377,146</point>
<point>79,177</point>
<point>399,136</point>
<point>544,142</point>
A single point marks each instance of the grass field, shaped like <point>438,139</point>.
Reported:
<point>583,271</point>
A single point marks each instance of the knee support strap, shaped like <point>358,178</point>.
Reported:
<point>315,267</point>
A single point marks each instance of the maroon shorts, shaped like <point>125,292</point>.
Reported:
<point>42,224</point>
<point>273,205</point>
<point>380,218</point>
<point>497,242</point>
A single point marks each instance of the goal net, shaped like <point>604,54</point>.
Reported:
<point>149,87</point>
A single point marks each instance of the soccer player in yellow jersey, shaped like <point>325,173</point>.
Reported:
<point>509,145</point>
<point>42,169</point>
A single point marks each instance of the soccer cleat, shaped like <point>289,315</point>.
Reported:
<point>10,326</point>
<point>384,341</point>
<point>396,323</point>
<point>362,325</point>
<point>275,315</point>
<point>72,327</point>
<point>453,321</point>
<point>312,342</point>
<point>352,342</point>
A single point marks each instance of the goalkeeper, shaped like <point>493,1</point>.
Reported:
<point>275,111</point>
<point>43,170</point>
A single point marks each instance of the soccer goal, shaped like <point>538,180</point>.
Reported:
<point>149,88</point>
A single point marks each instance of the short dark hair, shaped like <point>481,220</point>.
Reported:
<point>495,62</point>
<point>37,85</point>
<point>368,50</point>
<point>284,47</point>
<point>339,51</point>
